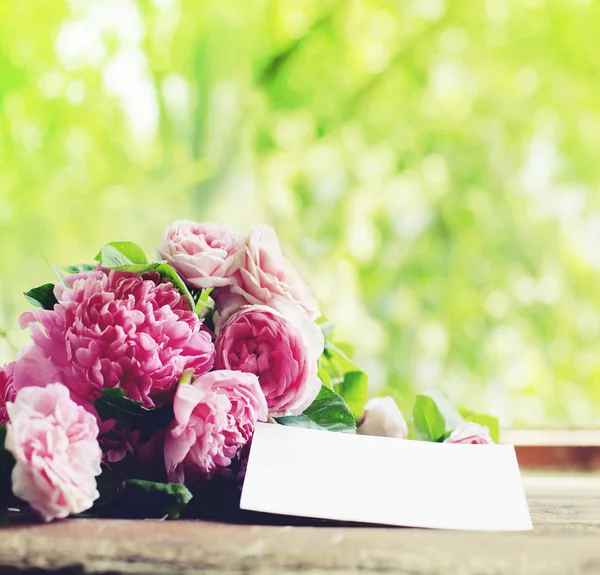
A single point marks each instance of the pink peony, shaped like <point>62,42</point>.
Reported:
<point>214,418</point>
<point>470,432</point>
<point>116,329</point>
<point>283,350</point>
<point>383,418</point>
<point>266,274</point>
<point>53,441</point>
<point>7,390</point>
<point>206,255</point>
<point>32,368</point>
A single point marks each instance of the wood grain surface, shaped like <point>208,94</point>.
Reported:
<point>566,539</point>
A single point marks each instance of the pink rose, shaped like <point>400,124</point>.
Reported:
<point>115,329</point>
<point>7,390</point>
<point>282,350</point>
<point>267,274</point>
<point>383,418</point>
<point>469,432</point>
<point>205,255</point>
<point>214,419</point>
<point>54,443</point>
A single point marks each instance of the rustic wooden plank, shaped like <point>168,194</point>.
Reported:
<point>551,437</point>
<point>566,514</point>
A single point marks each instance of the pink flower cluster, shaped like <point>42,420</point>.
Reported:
<point>136,331</point>
<point>211,255</point>
<point>117,329</point>
<point>264,318</point>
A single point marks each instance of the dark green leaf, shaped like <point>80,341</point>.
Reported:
<point>106,484</point>
<point>298,421</point>
<point>354,391</point>
<point>445,436</point>
<point>147,499</point>
<point>42,296</point>
<point>117,254</point>
<point>429,422</point>
<point>328,412</point>
<point>112,404</point>
<point>489,421</point>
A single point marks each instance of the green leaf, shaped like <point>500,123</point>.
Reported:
<point>323,375</point>
<point>117,254</point>
<point>148,499</point>
<point>444,437</point>
<point>327,412</point>
<point>106,483</point>
<point>336,363</point>
<point>430,424</point>
<point>112,404</point>
<point>186,376</point>
<point>452,417</point>
<point>337,354</point>
<point>300,421</point>
<point>489,421</point>
<point>354,390</point>
<point>42,296</point>
<point>77,268</point>
<point>339,372</point>
<point>204,303</point>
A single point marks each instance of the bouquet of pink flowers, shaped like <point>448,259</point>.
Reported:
<point>144,380</point>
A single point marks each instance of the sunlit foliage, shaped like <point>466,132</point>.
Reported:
<point>431,165</point>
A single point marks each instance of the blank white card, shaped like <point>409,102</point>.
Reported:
<point>325,475</point>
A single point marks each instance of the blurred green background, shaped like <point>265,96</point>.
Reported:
<point>430,165</point>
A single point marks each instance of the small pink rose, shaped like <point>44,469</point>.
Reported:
<point>382,417</point>
<point>7,390</point>
<point>54,443</point>
<point>470,432</point>
<point>266,274</point>
<point>282,350</point>
<point>206,255</point>
<point>215,418</point>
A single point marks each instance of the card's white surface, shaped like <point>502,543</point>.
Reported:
<point>311,473</point>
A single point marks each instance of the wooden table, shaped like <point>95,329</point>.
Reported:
<point>566,539</point>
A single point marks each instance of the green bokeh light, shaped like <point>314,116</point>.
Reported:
<point>431,167</point>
